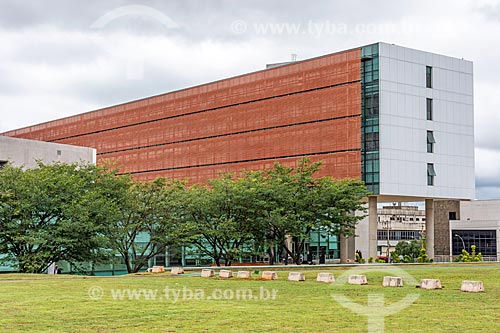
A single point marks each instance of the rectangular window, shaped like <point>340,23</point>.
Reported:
<point>429,109</point>
<point>428,76</point>
<point>452,215</point>
<point>430,142</point>
<point>431,173</point>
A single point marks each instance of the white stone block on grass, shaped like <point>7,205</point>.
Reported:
<point>472,286</point>
<point>296,276</point>
<point>325,277</point>
<point>244,275</point>
<point>269,275</point>
<point>392,281</point>
<point>357,279</point>
<point>226,274</point>
<point>158,269</point>
<point>430,284</point>
<point>176,270</point>
<point>206,273</point>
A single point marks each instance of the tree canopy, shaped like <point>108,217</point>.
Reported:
<point>85,213</point>
<point>51,213</point>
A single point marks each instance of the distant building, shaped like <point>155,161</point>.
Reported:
<point>398,223</point>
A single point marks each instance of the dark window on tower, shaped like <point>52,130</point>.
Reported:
<point>431,173</point>
<point>452,215</point>
<point>429,109</point>
<point>428,76</point>
<point>371,141</point>
<point>430,142</point>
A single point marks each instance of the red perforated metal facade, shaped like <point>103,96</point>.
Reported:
<point>309,108</point>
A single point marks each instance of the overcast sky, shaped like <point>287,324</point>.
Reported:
<point>59,58</point>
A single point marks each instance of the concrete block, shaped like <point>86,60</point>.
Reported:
<point>430,284</point>
<point>269,275</point>
<point>472,286</point>
<point>325,277</point>
<point>176,270</point>
<point>357,279</point>
<point>244,275</point>
<point>226,274</point>
<point>158,269</point>
<point>296,276</point>
<point>392,281</point>
<point>206,273</point>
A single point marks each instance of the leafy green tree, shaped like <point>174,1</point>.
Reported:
<point>295,202</point>
<point>409,251</point>
<point>222,217</point>
<point>146,219</point>
<point>51,213</point>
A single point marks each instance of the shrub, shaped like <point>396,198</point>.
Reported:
<point>469,257</point>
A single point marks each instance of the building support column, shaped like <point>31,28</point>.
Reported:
<point>372,227</point>
<point>429,227</point>
<point>346,246</point>
<point>343,248</point>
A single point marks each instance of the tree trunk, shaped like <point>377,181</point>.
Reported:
<point>270,251</point>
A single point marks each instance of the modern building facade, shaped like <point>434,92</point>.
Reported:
<point>26,153</point>
<point>469,223</point>
<point>397,118</point>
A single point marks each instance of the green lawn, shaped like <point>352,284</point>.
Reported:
<point>41,303</point>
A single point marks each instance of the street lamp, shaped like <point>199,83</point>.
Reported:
<point>463,243</point>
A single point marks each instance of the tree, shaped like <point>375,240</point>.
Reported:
<point>146,219</point>
<point>408,251</point>
<point>222,217</point>
<point>296,202</point>
<point>52,213</point>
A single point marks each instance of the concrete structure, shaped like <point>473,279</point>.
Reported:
<point>226,274</point>
<point>176,271</point>
<point>392,281</point>
<point>325,277</point>
<point>296,276</point>
<point>269,275</point>
<point>400,119</point>
<point>206,273</point>
<point>430,284</point>
<point>472,286</point>
<point>357,279</point>
<point>21,152</point>
<point>475,223</point>
<point>244,274</point>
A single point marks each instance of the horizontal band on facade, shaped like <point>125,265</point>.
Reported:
<point>230,134</point>
<point>244,161</point>
<point>204,110</point>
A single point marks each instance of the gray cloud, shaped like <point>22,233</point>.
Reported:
<point>51,65</point>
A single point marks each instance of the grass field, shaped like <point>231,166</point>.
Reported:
<point>41,303</point>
